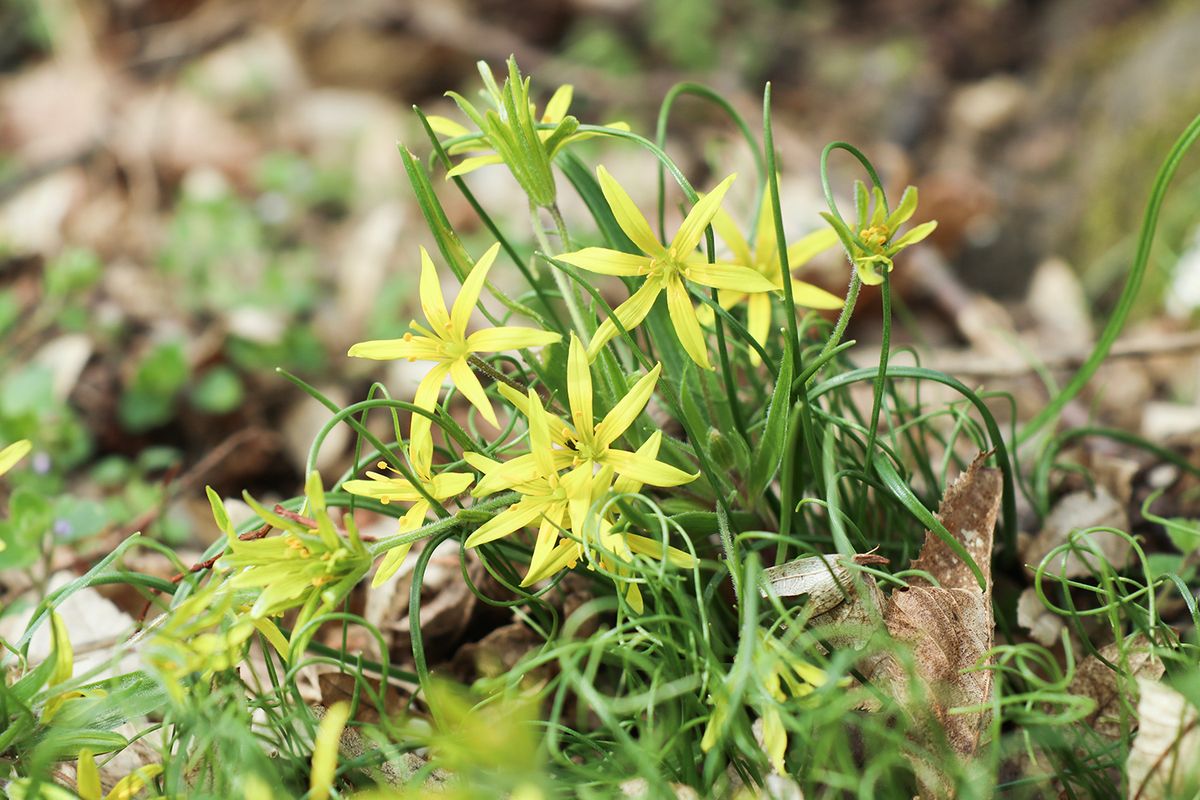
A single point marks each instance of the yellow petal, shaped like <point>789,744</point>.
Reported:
<point>729,276</point>
<point>10,455</point>
<point>649,449</point>
<point>129,786</point>
<point>390,564</point>
<point>692,230</point>
<point>472,389</point>
<point>687,327</point>
<point>758,322</point>
<point>913,236</point>
<point>508,521</point>
<point>809,296</point>
<point>473,163</point>
<point>731,235</point>
<point>468,296</point>
<point>381,487</point>
<point>766,243</point>
<point>558,104</point>
<point>432,303</point>
<point>539,435</point>
<point>566,553</point>
<point>583,490</point>
<point>444,126</point>
<point>559,429</point>
<point>420,439</point>
<point>607,262</point>
<point>904,211</point>
<point>544,546</point>
<point>87,777</point>
<point>418,348</point>
<point>516,472</point>
<point>325,750</point>
<point>633,596</point>
<point>497,340</point>
<point>630,314</point>
<point>579,389</point>
<point>449,484</point>
<point>627,409</point>
<point>646,470</point>
<point>802,251</point>
<point>627,215</point>
<point>273,635</point>
<point>654,548</point>
<point>774,738</point>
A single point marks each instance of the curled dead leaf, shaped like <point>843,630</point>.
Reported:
<point>1165,759</point>
<point>1079,511</point>
<point>1110,688</point>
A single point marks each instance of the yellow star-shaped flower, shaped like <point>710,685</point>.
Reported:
<point>667,268</point>
<point>445,342</point>
<point>598,540</point>
<point>586,443</point>
<point>387,489</point>
<point>555,502</point>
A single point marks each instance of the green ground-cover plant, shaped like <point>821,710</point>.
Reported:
<point>661,412</point>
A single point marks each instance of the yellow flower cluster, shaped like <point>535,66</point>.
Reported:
<point>562,483</point>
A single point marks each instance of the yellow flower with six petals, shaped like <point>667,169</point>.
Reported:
<point>445,342</point>
<point>598,540</point>
<point>586,442</point>
<point>555,502</point>
<point>667,268</point>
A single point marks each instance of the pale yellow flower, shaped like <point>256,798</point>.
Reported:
<point>446,343</point>
<point>667,268</point>
<point>586,442</point>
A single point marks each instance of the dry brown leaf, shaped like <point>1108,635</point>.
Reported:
<point>1074,512</point>
<point>950,627</point>
<point>1165,759</point>
<point>1044,625</point>
<point>1098,681</point>
<point>494,654</point>
<point>825,580</point>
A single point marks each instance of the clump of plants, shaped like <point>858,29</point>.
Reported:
<point>666,414</point>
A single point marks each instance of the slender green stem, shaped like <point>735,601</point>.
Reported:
<point>1137,272</point>
<point>569,297</point>
<point>884,352</point>
<point>839,328</point>
<point>464,517</point>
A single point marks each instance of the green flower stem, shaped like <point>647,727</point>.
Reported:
<point>660,136</point>
<point>839,328</point>
<point>462,518</point>
<point>569,297</point>
<point>884,351</point>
